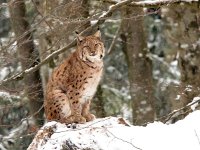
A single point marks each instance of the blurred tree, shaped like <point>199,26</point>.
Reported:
<point>4,21</point>
<point>189,59</point>
<point>28,56</point>
<point>98,103</point>
<point>139,66</point>
<point>183,34</point>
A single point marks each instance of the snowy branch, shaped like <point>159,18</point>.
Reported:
<point>171,114</point>
<point>197,136</point>
<point>156,3</point>
<point>101,20</point>
<point>123,140</point>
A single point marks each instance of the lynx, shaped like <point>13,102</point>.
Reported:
<point>73,84</point>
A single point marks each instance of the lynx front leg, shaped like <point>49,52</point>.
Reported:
<point>76,116</point>
<point>86,113</point>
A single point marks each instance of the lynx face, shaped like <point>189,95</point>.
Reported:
<point>90,48</point>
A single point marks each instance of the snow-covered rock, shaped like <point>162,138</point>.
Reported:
<point>116,134</point>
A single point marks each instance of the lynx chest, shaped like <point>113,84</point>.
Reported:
<point>90,87</point>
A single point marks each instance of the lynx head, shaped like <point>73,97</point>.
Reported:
<point>91,48</point>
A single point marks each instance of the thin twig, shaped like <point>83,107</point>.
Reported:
<point>155,3</point>
<point>123,140</point>
<point>197,136</point>
<point>170,115</point>
<point>114,39</point>
<point>100,21</point>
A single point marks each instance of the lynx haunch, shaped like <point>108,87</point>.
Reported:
<point>73,84</point>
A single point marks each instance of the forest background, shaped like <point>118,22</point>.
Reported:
<point>152,65</point>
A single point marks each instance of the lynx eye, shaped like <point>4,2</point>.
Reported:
<point>97,46</point>
<point>86,48</point>
<point>92,54</point>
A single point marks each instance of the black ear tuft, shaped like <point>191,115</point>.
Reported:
<point>79,39</point>
<point>76,32</point>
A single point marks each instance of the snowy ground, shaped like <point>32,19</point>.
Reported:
<point>109,134</point>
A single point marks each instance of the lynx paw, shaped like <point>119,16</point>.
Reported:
<point>80,119</point>
<point>75,119</point>
<point>90,117</point>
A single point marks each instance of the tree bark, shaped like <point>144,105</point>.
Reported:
<point>190,74</point>
<point>184,38</point>
<point>98,103</point>
<point>189,59</point>
<point>139,65</point>
<point>28,56</point>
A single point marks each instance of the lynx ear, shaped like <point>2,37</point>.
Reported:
<point>79,38</point>
<point>98,34</point>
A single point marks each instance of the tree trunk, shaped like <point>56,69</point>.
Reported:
<point>98,103</point>
<point>185,39</point>
<point>189,59</point>
<point>28,56</point>
<point>139,65</point>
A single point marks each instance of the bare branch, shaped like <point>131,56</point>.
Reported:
<point>100,21</point>
<point>197,136</point>
<point>123,140</point>
<point>114,39</point>
<point>171,114</point>
<point>153,3</point>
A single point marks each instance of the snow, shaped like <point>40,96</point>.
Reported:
<point>112,134</point>
<point>4,72</point>
<point>7,96</point>
<point>195,99</point>
<point>93,22</point>
<point>188,88</point>
<point>174,68</point>
<point>178,97</point>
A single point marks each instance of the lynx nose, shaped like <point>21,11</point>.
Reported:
<point>101,56</point>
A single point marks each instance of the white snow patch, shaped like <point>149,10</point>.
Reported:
<point>4,72</point>
<point>104,13</point>
<point>188,88</point>
<point>108,134</point>
<point>7,96</point>
<point>174,68</point>
<point>143,102</point>
<point>184,46</point>
<point>126,112</point>
<point>177,97</point>
<point>140,55</point>
<point>92,22</point>
<point>193,107</point>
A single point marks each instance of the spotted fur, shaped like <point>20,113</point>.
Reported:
<point>74,83</point>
